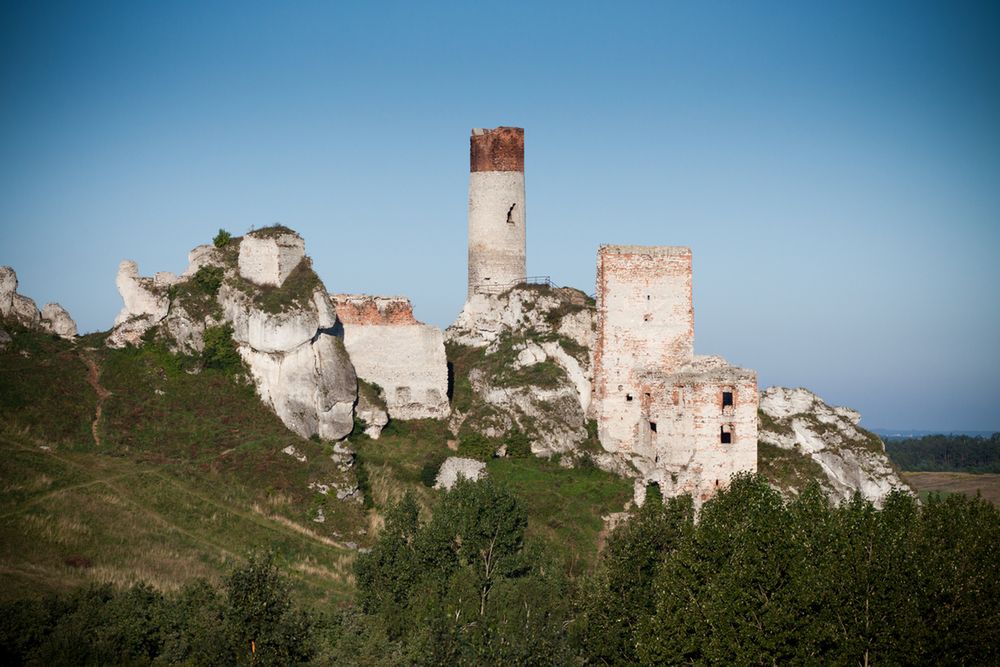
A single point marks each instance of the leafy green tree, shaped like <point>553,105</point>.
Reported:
<point>259,619</point>
<point>209,279</point>
<point>220,349</point>
<point>222,239</point>
<point>617,598</point>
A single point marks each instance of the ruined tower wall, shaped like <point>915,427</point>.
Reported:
<point>496,208</point>
<point>645,321</point>
<point>688,451</point>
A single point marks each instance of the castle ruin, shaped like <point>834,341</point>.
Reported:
<point>685,422</point>
<point>496,209</point>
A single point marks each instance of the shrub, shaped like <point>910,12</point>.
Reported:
<point>429,471</point>
<point>477,446</point>
<point>209,279</point>
<point>518,444</point>
<point>222,239</point>
<point>220,350</point>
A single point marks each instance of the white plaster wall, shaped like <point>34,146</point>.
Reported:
<point>496,247</point>
<point>269,260</point>
<point>407,361</point>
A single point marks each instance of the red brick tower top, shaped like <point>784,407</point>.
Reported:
<point>499,149</point>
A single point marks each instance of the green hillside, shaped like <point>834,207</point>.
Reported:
<point>136,465</point>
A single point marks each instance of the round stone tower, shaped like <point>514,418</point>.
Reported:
<point>496,209</point>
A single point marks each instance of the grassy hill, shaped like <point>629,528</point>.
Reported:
<point>140,465</point>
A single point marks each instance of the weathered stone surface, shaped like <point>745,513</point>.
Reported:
<point>455,467</point>
<point>8,287</point>
<point>56,320</point>
<point>367,309</point>
<point>373,415</point>
<point>684,422</point>
<point>554,417</point>
<point>391,349</point>
<point>24,311</point>
<point>312,388</point>
<point>140,295</point>
<point>496,210</point>
<point>203,255</point>
<point>852,459</point>
<point>5,340</point>
<point>267,258</point>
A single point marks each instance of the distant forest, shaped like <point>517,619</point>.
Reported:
<point>947,453</point>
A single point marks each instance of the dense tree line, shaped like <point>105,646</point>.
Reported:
<point>754,579</point>
<point>947,453</point>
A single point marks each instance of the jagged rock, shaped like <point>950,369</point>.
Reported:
<point>203,255</point>
<point>8,287</point>
<point>145,304</point>
<point>24,311</point>
<point>56,320</point>
<point>391,349</point>
<point>372,414</point>
<point>824,442</point>
<point>5,340</point>
<point>455,467</point>
<point>311,387</point>
<point>292,451</point>
<point>14,306</point>
<point>538,332</point>
<point>142,296</point>
<point>269,255</point>
<point>299,369</point>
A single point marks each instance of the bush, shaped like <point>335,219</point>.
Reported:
<point>518,444</point>
<point>222,239</point>
<point>429,471</point>
<point>209,279</point>
<point>477,446</point>
<point>220,350</point>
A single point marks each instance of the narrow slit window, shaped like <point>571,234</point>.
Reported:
<point>628,397</point>
<point>652,427</point>
<point>726,435</point>
<point>727,399</point>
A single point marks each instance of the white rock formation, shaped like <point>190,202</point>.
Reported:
<point>268,256</point>
<point>391,349</point>
<point>56,320</point>
<point>455,467</point>
<point>300,370</point>
<point>372,414</point>
<point>21,309</point>
<point>8,287</point>
<point>852,459</point>
<point>536,325</point>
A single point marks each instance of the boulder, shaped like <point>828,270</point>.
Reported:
<point>56,320</point>
<point>455,467</point>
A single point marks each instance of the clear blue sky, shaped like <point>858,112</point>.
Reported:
<point>835,168</point>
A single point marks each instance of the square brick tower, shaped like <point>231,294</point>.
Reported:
<point>685,422</point>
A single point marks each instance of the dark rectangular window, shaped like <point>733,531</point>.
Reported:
<point>727,399</point>
<point>727,436</point>
<point>652,426</point>
<point>628,397</point>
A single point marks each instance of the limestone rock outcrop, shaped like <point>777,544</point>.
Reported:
<point>801,438</point>
<point>56,320</point>
<point>283,331</point>
<point>455,467</point>
<point>393,350</point>
<point>22,310</point>
<point>524,356</point>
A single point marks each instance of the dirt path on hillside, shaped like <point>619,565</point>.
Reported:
<point>94,379</point>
